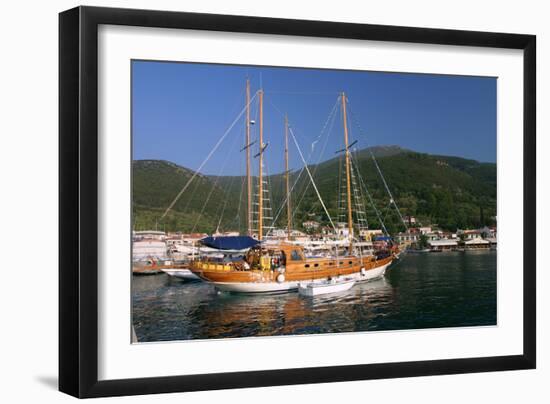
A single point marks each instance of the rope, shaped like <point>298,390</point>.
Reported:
<point>302,92</point>
<point>331,118</point>
<point>392,200</point>
<point>363,183</point>
<point>226,194</point>
<point>311,178</point>
<point>215,185</point>
<point>226,198</point>
<point>205,160</point>
<point>276,217</point>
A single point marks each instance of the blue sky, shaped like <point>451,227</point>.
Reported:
<point>180,111</point>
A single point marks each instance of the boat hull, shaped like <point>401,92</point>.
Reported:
<point>182,273</point>
<point>260,287</point>
<point>266,281</point>
<point>317,289</point>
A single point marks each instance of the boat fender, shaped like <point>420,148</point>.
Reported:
<point>363,271</point>
<point>280,278</point>
<point>281,270</point>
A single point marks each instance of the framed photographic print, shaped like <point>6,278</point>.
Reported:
<point>251,201</point>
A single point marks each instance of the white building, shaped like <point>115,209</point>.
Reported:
<point>443,245</point>
<point>407,238</point>
<point>470,234</point>
<point>477,244</point>
<point>425,230</point>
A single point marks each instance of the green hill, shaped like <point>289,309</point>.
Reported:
<point>449,191</point>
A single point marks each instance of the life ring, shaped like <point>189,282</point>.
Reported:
<point>280,278</point>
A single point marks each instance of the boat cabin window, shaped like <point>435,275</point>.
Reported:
<point>295,255</point>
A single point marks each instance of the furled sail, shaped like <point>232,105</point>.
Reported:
<point>230,242</point>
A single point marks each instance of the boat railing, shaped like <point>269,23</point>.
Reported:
<point>214,266</point>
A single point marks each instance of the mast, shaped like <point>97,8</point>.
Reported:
<point>248,179</point>
<point>287,177</point>
<point>348,179</point>
<point>260,177</point>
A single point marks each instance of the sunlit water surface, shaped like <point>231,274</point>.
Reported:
<point>419,291</point>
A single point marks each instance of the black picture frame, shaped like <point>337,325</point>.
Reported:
<point>78,201</point>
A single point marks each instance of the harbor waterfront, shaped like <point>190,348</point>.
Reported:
<point>449,289</point>
<point>280,219</point>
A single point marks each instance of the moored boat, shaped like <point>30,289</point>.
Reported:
<point>283,267</point>
<point>326,287</point>
<point>258,265</point>
<point>181,273</point>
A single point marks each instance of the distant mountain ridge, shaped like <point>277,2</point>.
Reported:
<point>450,191</point>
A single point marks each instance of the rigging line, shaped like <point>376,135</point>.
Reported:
<point>225,191</point>
<point>238,217</point>
<point>267,202</point>
<point>331,118</point>
<point>361,194</point>
<point>311,178</point>
<point>197,183</point>
<point>339,200</point>
<point>231,181</point>
<point>332,113</point>
<point>392,200</point>
<point>324,126</point>
<point>215,185</point>
<point>359,210</point>
<point>276,217</point>
<point>239,207</point>
<point>296,181</point>
<point>206,159</point>
<point>226,198</point>
<point>302,92</point>
<point>315,168</point>
<point>388,210</point>
<point>376,211</point>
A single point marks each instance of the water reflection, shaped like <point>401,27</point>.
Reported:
<point>435,290</point>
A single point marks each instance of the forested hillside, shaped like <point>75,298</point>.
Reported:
<point>449,191</point>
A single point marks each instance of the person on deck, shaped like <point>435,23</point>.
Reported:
<point>265,262</point>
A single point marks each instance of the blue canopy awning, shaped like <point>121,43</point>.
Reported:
<point>382,238</point>
<point>230,242</point>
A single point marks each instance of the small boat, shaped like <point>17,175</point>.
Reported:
<point>418,250</point>
<point>151,266</point>
<point>325,287</point>
<point>181,273</point>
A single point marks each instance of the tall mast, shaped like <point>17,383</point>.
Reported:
<point>247,145</point>
<point>288,214</point>
<point>260,177</point>
<point>348,179</point>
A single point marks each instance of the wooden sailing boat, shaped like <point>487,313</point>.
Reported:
<point>282,266</point>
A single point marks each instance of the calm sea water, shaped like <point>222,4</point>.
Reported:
<point>419,291</point>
